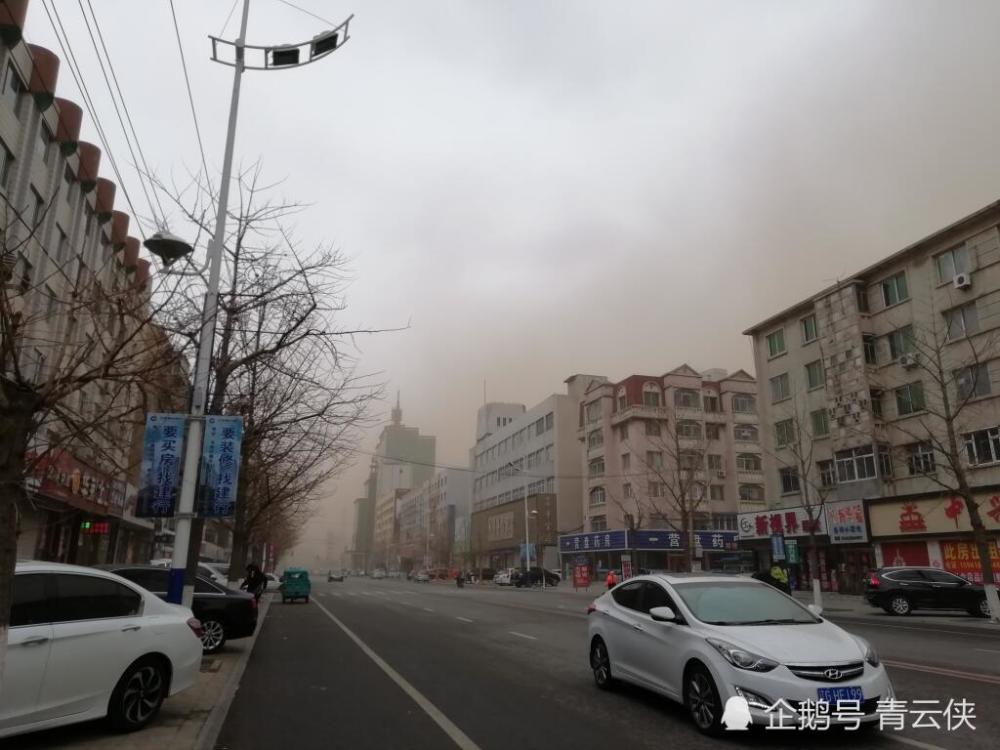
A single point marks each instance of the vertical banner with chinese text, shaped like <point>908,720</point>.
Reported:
<point>220,466</point>
<point>162,451</point>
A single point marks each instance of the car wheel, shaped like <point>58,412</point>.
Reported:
<point>213,636</point>
<point>138,695</point>
<point>702,700</point>
<point>983,610</point>
<point>600,663</point>
<point>900,605</point>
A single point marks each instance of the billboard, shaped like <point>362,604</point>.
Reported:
<point>162,455</point>
<point>220,466</point>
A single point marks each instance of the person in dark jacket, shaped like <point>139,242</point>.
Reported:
<point>255,582</point>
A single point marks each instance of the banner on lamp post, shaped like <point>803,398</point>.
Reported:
<point>220,466</point>
<point>163,447</point>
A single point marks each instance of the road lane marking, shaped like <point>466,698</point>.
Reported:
<point>911,743</point>
<point>522,635</point>
<point>858,621</point>
<point>988,650</point>
<point>975,676</point>
<point>464,619</point>
<point>428,609</point>
<point>339,596</point>
<point>460,738</point>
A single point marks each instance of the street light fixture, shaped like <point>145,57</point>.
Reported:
<point>168,247</point>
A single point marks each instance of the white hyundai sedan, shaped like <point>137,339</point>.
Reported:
<point>702,639</point>
<point>85,644</point>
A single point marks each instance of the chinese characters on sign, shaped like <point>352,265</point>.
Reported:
<point>596,541</point>
<point>786,522</point>
<point>500,527</point>
<point>220,466</point>
<point>962,559</point>
<point>163,446</point>
<point>846,522</point>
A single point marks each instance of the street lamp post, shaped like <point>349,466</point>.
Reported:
<point>170,248</point>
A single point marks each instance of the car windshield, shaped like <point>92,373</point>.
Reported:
<point>741,603</point>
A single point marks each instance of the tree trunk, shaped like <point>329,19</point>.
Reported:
<point>688,518</point>
<point>985,560</point>
<point>17,423</point>
<point>814,566</point>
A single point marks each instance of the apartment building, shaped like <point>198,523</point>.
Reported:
<point>63,241</point>
<point>856,381</point>
<point>525,453</point>
<point>645,439</point>
<point>430,516</point>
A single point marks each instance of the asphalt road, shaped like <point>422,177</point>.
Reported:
<point>376,664</point>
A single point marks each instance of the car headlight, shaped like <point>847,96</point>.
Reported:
<point>741,658</point>
<point>871,655</point>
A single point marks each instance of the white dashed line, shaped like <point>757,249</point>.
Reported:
<point>522,635</point>
<point>428,609</point>
<point>463,619</point>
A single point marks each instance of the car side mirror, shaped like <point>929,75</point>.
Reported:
<point>815,609</point>
<point>663,614</point>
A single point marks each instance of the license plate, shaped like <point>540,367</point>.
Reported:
<point>833,695</point>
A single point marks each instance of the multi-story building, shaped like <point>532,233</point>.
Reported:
<point>858,382</point>
<point>656,448</point>
<point>521,453</point>
<point>429,518</point>
<point>403,458</point>
<point>385,535</point>
<point>66,256</point>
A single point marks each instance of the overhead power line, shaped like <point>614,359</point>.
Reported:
<point>307,12</point>
<point>226,24</point>
<point>143,177</point>
<point>187,83</point>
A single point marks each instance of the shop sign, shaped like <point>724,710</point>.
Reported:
<point>962,558</point>
<point>845,522</point>
<point>777,547</point>
<point>64,477</point>
<point>598,541</point>
<point>626,566</point>
<point>792,551</point>
<point>117,496</point>
<point>581,576</point>
<point>500,526</point>
<point>785,521</point>
<point>716,540</point>
<point>936,515</point>
<point>657,539</point>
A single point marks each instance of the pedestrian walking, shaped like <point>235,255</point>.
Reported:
<point>255,581</point>
<point>611,580</point>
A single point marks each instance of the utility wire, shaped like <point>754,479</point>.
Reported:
<point>226,24</point>
<point>187,82</point>
<point>135,137</point>
<point>88,102</point>
<point>307,12</point>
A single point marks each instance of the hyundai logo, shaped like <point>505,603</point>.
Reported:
<point>832,674</point>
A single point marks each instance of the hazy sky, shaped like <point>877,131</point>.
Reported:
<point>548,187</point>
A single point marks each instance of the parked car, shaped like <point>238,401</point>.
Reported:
<point>422,576</point>
<point>273,582</point>
<point>85,644</point>
<point>504,577</point>
<point>378,573</point>
<point>738,637</point>
<point>335,575</point>
<point>900,590</point>
<point>216,572</point>
<point>224,614</point>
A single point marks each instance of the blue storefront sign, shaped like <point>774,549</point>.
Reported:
<point>220,466</point>
<point>717,540</point>
<point>657,539</point>
<point>777,547</point>
<point>162,449</point>
<point>595,541</point>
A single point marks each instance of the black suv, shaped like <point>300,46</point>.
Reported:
<point>899,591</point>
<point>224,613</point>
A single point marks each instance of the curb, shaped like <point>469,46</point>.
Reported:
<point>210,730</point>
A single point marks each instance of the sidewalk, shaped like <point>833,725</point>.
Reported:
<point>190,719</point>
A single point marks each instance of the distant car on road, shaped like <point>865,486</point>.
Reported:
<point>85,644</point>
<point>900,590</point>
<point>422,576</point>
<point>378,573</point>
<point>335,575</point>
<point>504,577</point>
<point>224,614</point>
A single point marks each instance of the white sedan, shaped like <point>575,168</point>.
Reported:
<point>85,644</point>
<point>705,640</point>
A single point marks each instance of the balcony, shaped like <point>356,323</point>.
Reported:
<point>689,412</point>
<point>749,477</point>
<point>745,417</point>
<point>640,411</point>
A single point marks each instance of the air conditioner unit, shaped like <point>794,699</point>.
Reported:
<point>962,280</point>
<point>909,361</point>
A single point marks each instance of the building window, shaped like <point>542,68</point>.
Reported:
<point>688,429</point>
<point>876,401</point>
<point>713,431</point>
<point>861,297</point>
<point>820,423</point>
<point>776,343</point>
<point>784,432</point>
<point>550,421</point>
<point>900,342</point>
<point>37,208</point>
<point>711,403</point>
<point>596,467</point>
<point>751,493</point>
<point>623,432</point>
<point>744,403</point>
<point>871,349</point>
<point>599,523</point>
<point>814,375</point>
<point>983,446</point>
<point>962,321</point>
<point>652,427</point>
<point>789,480</point>
<point>622,402</point>
<point>827,475</point>
<point>650,395</point>
<point>855,464</point>
<point>951,263</point>
<point>13,91</point>
<point>626,490</point>
<point>593,411</point>
<point>717,492</point>
<point>654,460</point>
<point>687,399</point>
<point>626,461</point>
<point>894,289</point>
<point>884,461</point>
<point>597,496</point>
<point>714,462</point>
<point>780,389</point>
<point>746,433</point>
<point>809,329</point>
<point>44,141</point>
<point>747,462</point>
<point>919,458</point>
<point>6,166</point>
<point>910,399</point>
<point>595,439</point>
<point>690,460</point>
<point>539,427</point>
<point>655,489</point>
<point>973,382</point>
